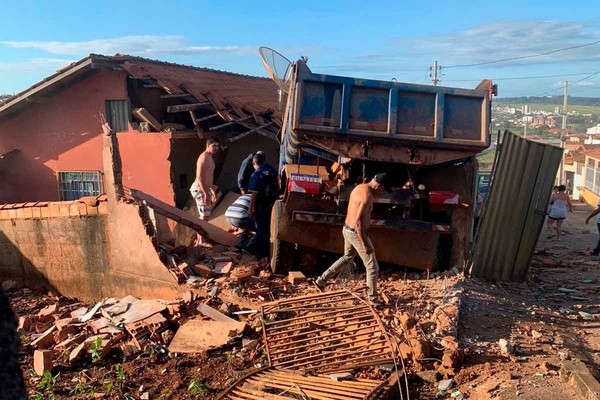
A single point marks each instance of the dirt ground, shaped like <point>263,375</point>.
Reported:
<point>540,318</point>
<point>551,317</point>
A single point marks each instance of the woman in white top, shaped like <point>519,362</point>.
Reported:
<point>559,201</point>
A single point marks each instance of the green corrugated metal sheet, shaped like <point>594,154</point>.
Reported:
<point>516,207</point>
<point>117,114</point>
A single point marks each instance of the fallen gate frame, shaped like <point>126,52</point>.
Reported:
<point>321,387</point>
<point>313,346</point>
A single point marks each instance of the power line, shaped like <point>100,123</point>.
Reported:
<point>518,78</point>
<point>572,84</point>
<point>523,57</point>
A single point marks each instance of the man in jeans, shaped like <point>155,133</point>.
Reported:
<point>356,238</point>
<point>264,189</point>
<point>596,250</point>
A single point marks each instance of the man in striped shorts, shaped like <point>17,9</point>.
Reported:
<point>237,215</point>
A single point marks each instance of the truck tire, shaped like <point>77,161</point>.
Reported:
<point>282,258</point>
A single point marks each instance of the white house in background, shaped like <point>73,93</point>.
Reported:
<point>594,130</point>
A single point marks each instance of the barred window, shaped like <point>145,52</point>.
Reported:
<point>73,185</point>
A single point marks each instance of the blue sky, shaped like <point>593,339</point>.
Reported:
<point>380,40</point>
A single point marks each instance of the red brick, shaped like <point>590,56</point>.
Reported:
<point>27,212</point>
<point>64,209</point>
<point>20,213</point>
<point>12,213</point>
<point>202,270</point>
<point>91,210</point>
<point>74,209</point>
<point>42,361</point>
<point>82,208</point>
<point>4,214</point>
<point>24,324</point>
<point>45,212</point>
<point>64,333</point>
<point>45,340</point>
<point>67,343</point>
<point>54,209</point>
<point>36,212</point>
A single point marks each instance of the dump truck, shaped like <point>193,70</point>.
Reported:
<point>341,131</point>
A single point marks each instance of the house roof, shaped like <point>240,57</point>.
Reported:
<point>593,154</point>
<point>250,94</point>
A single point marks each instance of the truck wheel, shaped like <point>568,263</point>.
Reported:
<point>308,259</point>
<point>282,258</point>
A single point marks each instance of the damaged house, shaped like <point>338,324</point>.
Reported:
<point>51,155</point>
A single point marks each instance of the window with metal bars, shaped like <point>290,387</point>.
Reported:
<point>73,185</point>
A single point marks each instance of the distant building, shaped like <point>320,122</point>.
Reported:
<point>512,110</point>
<point>557,110</point>
<point>526,109</point>
<point>539,120</point>
<point>594,130</point>
<point>527,119</point>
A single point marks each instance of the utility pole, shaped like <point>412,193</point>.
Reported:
<point>525,132</point>
<point>563,136</point>
<point>434,73</point>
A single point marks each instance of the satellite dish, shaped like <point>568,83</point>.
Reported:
<point>277,66</point>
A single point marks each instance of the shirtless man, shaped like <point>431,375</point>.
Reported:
<point>202,189</point>
<point>356,238</point>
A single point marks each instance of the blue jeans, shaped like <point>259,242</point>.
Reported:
<point>597,249</point>
<point>247,225</point>
<point>262,213</point>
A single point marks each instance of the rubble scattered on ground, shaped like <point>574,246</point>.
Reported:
<point>222,291</point>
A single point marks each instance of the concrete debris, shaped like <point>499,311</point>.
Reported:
<point>296,277</point>
<point>506,347</point>
<point>196,336</point>
<point>445,385</point>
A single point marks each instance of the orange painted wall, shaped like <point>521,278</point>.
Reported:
<point>146,166</point>
<point>63,134</point>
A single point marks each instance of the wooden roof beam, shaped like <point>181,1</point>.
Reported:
<point>187,107</point>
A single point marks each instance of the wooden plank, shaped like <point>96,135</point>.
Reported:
<point>194,119</point>
<point>187,107</point>
<point>210,232</point>
<point>237,121</point>
<point>174,126</point>
<point>143,115</point>
<point>176,96</point>
<point>247,133</point>
<point>208,117</point>
<point>214,314</point>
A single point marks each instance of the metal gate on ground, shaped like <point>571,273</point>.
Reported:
<point>515,209</point>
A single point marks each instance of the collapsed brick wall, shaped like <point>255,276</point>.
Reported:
<point>82,251</point>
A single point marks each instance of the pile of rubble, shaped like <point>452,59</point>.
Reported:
<point>68,333</point>
<point>222,308</point>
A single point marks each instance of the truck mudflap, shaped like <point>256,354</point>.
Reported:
<point>338,219</point>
